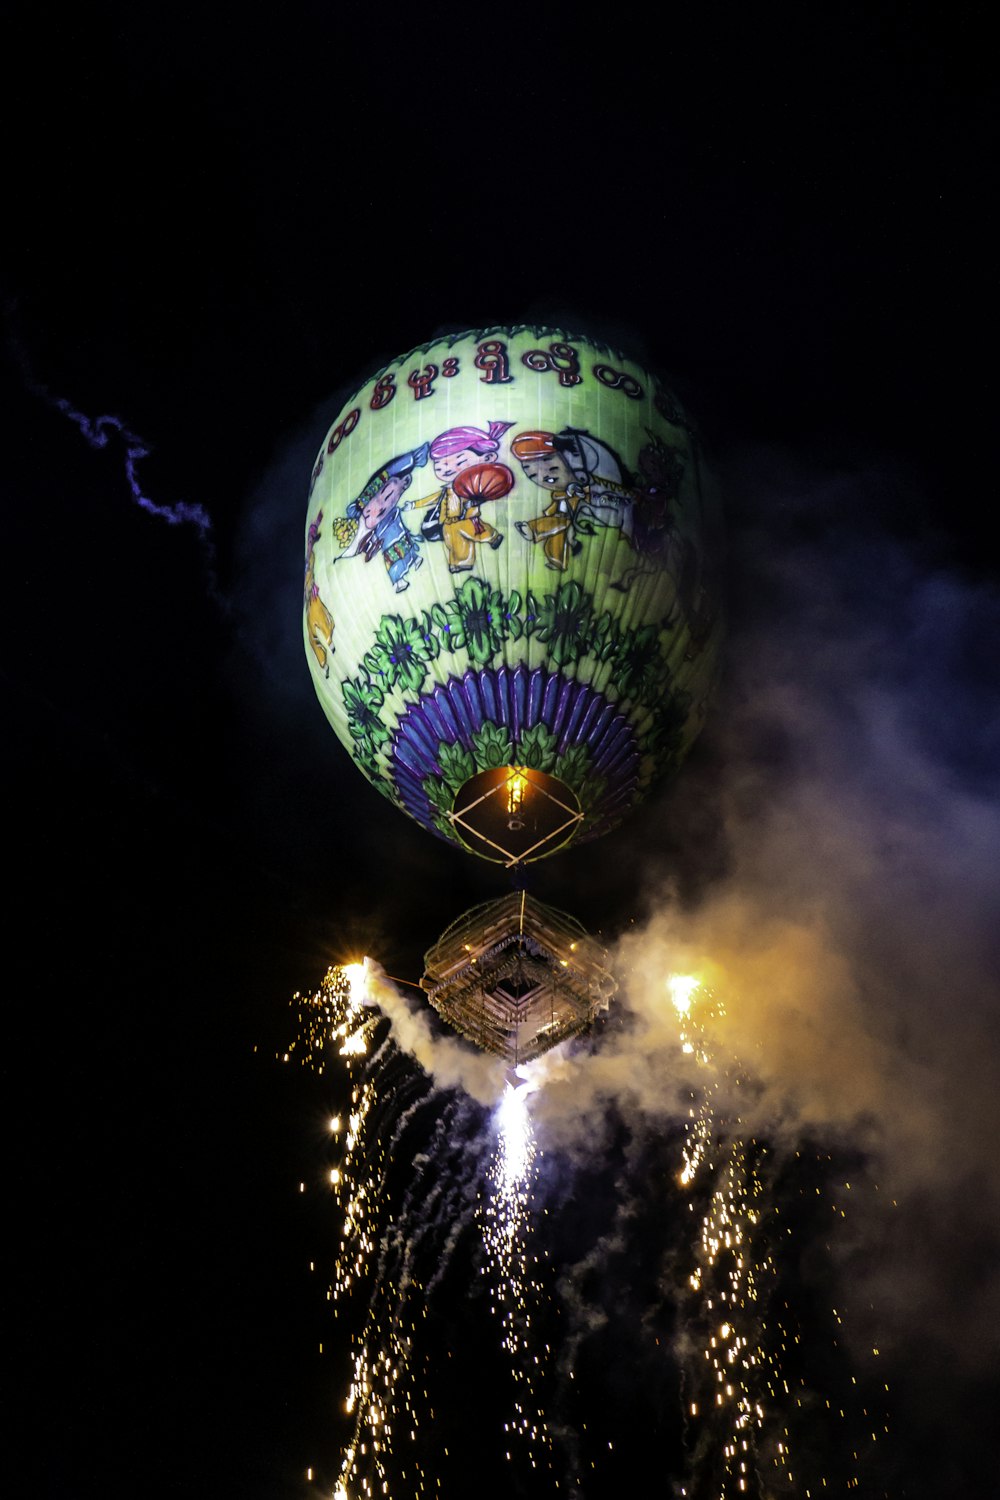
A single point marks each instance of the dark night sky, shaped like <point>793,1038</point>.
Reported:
<point>214,224</point>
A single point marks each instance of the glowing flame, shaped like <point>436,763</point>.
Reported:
<point>517,786</point>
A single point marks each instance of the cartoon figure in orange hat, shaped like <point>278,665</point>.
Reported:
<point>544,464</point>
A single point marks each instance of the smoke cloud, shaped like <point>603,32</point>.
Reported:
<point>847,926</point>
<point>832,882</point>
<point>449,1062</point>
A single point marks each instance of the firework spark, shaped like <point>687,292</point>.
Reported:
<point>746,1400</point>
<point>739,1395</point>
<point>339,1018</point>
<point>732,1364</point>
<point>505,1219</point>
<point>391,1095</point>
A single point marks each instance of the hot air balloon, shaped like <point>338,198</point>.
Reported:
<point>512,606</point>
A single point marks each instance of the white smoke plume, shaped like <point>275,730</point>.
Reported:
<point>449,1062</point>
<point>848,926</point>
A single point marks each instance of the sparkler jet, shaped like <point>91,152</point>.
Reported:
<point>536,642</point>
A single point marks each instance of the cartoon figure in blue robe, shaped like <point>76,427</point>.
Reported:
<point>373,524</point>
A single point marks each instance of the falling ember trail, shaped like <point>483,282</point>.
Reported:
<point>731,1370</point>
<point>390,1096</point>
<point>505,1218</point>
<point>744,1433</point>
<point>338,1018</point>
<point>723,1311</point>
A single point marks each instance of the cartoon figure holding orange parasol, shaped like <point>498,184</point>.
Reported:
<point>464,460</point>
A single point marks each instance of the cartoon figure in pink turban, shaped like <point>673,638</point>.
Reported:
<point>464,460</point>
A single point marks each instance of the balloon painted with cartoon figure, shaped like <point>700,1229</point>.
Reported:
<point>513,596</point>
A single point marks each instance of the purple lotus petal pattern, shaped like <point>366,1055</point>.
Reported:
<point>518,699</point>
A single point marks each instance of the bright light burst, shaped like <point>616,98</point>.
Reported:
<point>682,989</point>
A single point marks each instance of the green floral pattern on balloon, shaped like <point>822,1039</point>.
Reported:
<point>516,624</point>
<point>477,622</point>
<point>362,699</point>
<point>474,621</point>
<point>438,793</point>
<point>400,654</point>
<point>444,826</point>
<point>641,670</point>
<point>565,621</point>
<point>573,765</point>
<point>366,756</point>
<point>537,748</point>
<point>605,638</point>
<point>456,763</point>
<point>492,747</point>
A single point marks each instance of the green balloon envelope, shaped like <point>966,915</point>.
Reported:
<point>513,560</point>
